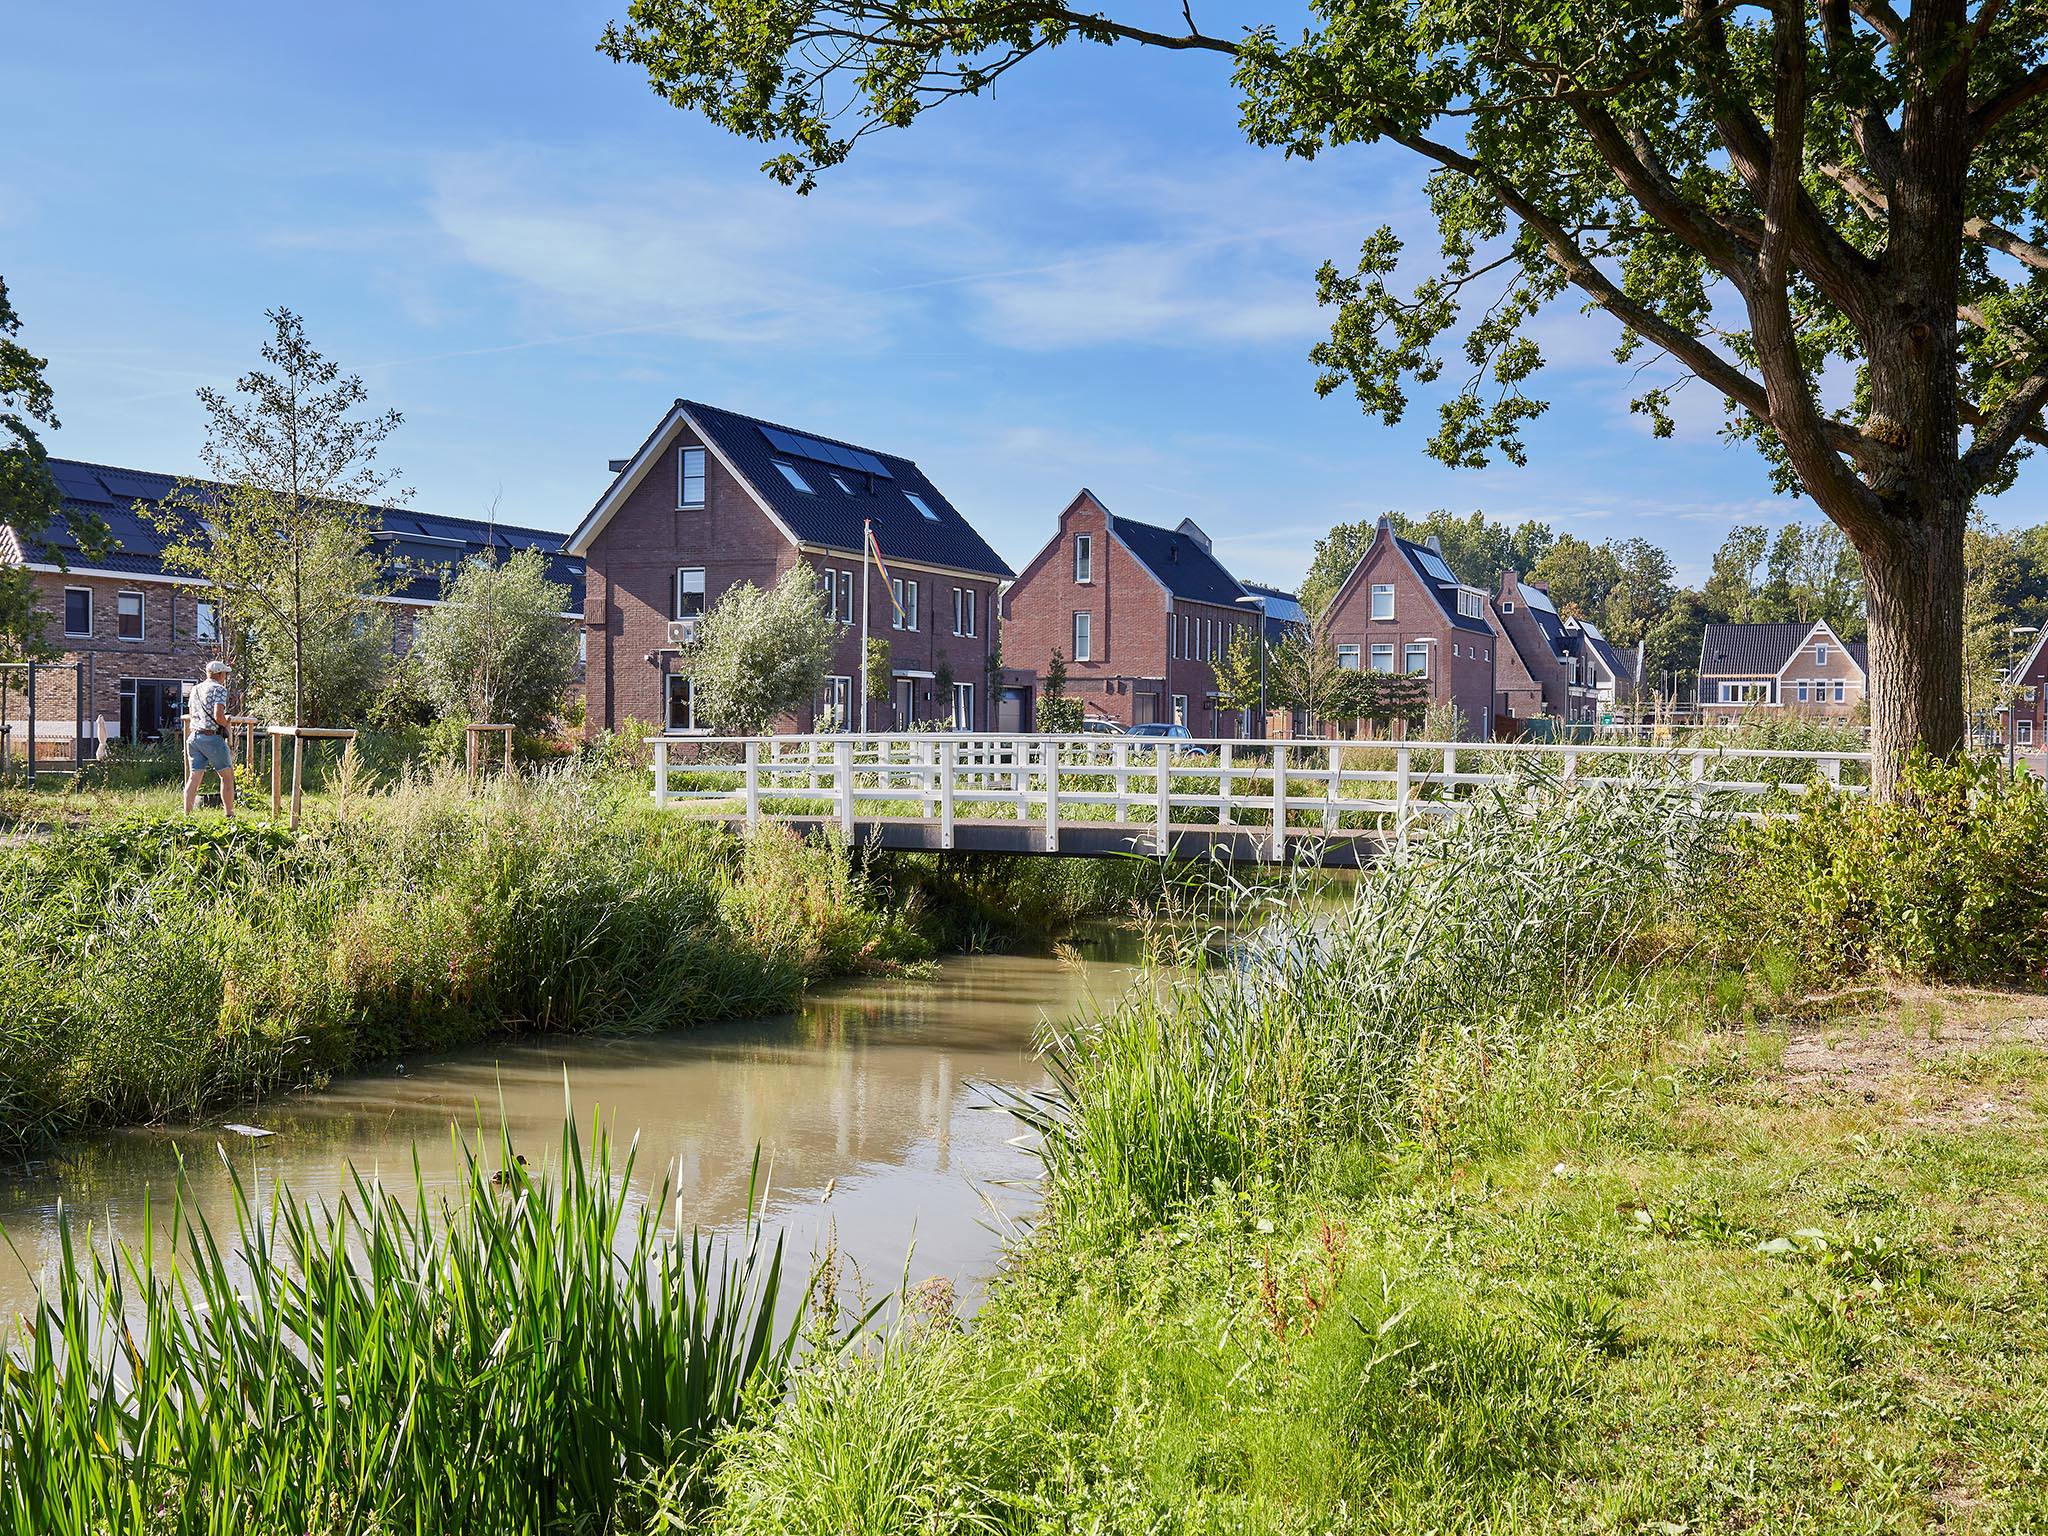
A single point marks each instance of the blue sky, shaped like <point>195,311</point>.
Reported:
<point>1089,279</point>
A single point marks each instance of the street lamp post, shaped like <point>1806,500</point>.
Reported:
<point>1260,603</point>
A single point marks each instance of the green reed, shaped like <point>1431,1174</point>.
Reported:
<point>518,1357</point>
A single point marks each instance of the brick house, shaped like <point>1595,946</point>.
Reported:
<point>1141,614</point>
<point>2027,714</point>
<point>713,498</point>
<point>1577,671</point>
<point>132,635</point>
<point>1806,668</point>
<point>1404,609</point>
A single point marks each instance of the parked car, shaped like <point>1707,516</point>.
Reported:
<point>1101,725</point>
<point>1172,731</point>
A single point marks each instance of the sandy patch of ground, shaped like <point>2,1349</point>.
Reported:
<point>1946,1058</point>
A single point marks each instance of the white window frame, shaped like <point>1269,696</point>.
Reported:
<point>2026,732</point>
<point>668,712</point>
<point>690,470</point>
<point>1084,634</point>
<point>794,476</point>
<point>1384,648</point>
<point>1348,658</point>
<point>1508,607</point>
<point>1409,652</point>
<point>1842,691</point>
<point>1084,559</point>
<point>831,579</point>
<point>141,616</point>
<point>910,605</point>
<point>896,609</point>
<point>1470,604</point>
<point>679,589</point>
<point>846,614</point>
<point>838,699</point>
<point>924,507</point>
<point>1820,654</point>
<point>1382,589</point>
<point>1180,709</point>
<point>1799,689</point>
<point>69,632</point>
<point>206,621</point>
<point>963,706</point>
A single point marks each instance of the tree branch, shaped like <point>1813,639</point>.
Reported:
<point>1875,203</point>
<point>1989,114</point>
<point>2000,432</point>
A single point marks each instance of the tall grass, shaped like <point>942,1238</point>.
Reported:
<point>1304,1034</point>
<point>520,1359</point>
<point>152,966</point>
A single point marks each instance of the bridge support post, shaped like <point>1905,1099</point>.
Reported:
<point>1699,779</point>
<point>1049,760</point>
<point>843,781</point>
<point>1162,825</point>
<point>1279,802</point>
<point>947,755</point>
<point>1226,780</point>
<point>1403,783</point>
<point>660,771</point>
<point>753,785</point>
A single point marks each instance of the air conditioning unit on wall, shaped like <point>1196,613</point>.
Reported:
<point>682,632</point>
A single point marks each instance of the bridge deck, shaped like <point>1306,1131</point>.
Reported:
<point>1089,839</point>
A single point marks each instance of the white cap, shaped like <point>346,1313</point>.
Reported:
<point>216,668</point>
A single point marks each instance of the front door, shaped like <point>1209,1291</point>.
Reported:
<point>1012,710</point>
<point>906,702</point>
<point>150,708</point>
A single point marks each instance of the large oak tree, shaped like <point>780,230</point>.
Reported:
<point>1753,190</point>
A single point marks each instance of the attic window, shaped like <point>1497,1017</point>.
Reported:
<point>923,507</point>
<point>792,475</point>
<point>689,478</point>
<point>840,481</point>
<point>1508,607</point>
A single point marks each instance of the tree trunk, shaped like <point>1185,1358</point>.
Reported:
<point>1914,577</point>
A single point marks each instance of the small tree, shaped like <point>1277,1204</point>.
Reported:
<point>283,538</point>
<point>1058,715</point>
<point>29,498</point>
<point>496,648</point>
<point>324,660</point>
<point>1304,675</point>
<point>760,654</point>
<point>1238,675</point>
<point>875,670</point>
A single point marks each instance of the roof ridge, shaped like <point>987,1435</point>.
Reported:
<point>783,426</point>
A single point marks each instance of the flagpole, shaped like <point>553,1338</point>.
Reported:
<point>867,565</point>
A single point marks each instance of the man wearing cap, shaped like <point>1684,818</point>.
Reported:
<point>206,737</point>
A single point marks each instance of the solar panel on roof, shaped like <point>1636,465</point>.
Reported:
<point>1433,564</point>
<point>825,453</point>
<point>131,488</point>
<point>78,484</point>
<point>1537,598</point>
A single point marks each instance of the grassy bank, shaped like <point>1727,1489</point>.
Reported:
<point>153,966</point>
<point>1551,1184</point>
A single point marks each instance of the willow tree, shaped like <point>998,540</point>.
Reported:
<point>1755,192</point>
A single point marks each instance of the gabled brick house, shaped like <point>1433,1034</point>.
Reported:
<point>1798,667</point>
<point>132,635</point>
<point>713,498</point>
<point>1404,609</point>
<point>2024,722</point>
<point>1140,613</point>
<point>1573,666</point>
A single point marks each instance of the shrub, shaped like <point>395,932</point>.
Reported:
<point>1948,881</point>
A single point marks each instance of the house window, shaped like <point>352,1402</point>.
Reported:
<point>846,597</point>
<point>689,603</point>
<point>1383,658</point>
<point>682,702</point>
<point>1084,635</point>
<point>1842,691</point>
<point>2026,733</point>
<point>205,622</point>
<point>963,706</point>
<point>923,507</point>
<point>1508,607</point>
<point>831,582</point>
<point>78,612</point>
<point>582,647</point>
<point>835,705</point>
<point>840,481</point>
<point>1802,692</point>
<point>910,605</point>
<point>1470,604</point>
<point>1383,601</point>
<point>128,615</point>
<point>689,478</point>
<point>1180,709</point>
<point>1416,658</point>
<point>1347,658</point>
<point>1454,647</point>
<point>151,708</point>
<point>963,610</point>
<point>896,615</point>
<point>790,473</point>
<point>1084,557</point>
<point>1820,655</point>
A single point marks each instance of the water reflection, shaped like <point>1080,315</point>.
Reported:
<point>876,1092</point>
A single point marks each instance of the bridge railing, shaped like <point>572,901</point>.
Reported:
<point>1157,787</point>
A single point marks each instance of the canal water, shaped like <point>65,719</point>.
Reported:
<point>874,1107</point>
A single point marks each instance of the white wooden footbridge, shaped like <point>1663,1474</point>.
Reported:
<point>1332,802</point>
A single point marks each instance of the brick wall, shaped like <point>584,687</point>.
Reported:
<point>168,651</point>
<point>1461,670</point>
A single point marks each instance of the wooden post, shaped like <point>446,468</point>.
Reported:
<point>1051,760</point>
<point>1120,766</point>
<point>298,774</point>
<point>1163,825</point>
<point>1224,781</point>
<point>947,753</point>
<point>1699,779</point>
<point>1333,789</point>
<point>753,784</point>
<point>1402,784</point>
<point>276,775</point>
<point>1279,802</point>
<point>661,771</point>
<point>844,778</point>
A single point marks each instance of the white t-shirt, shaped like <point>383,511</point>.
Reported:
<point>207,698</point>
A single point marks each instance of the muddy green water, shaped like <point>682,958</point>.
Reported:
<point>871,1105</point>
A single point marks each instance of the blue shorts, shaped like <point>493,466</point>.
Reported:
<point>208,754</point>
